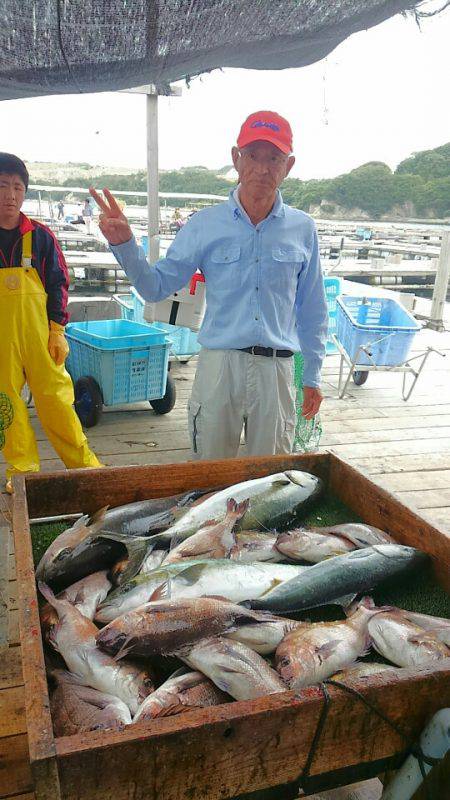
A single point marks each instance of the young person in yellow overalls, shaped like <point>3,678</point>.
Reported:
<point>33,301</point>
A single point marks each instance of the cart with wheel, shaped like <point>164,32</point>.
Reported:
<point>115,362</point>
<point>375,334</point>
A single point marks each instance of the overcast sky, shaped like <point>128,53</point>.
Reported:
<point>381,95</point>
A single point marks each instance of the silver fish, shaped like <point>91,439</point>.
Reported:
<point>440,626</point>
<point>275,502</point>
<point>77,708</point>
<point>316,544</point>
<point>340,577</point>
<point>404,643</point>
<point>361,670</point>
<point>180,693</point>
<point>74,638</point>
<point>234,668</point>
<point>197,578</point>
<point>313,652</point>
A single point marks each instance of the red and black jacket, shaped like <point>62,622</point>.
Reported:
<point>48,260</point>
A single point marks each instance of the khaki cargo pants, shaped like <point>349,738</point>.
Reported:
<point>233,391</point>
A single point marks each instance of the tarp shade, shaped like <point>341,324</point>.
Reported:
<point>69,46</point>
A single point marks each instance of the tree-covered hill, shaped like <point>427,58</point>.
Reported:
<point>419,187</point>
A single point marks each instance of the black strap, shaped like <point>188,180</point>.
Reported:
<point>414,749</point>
<point>174,312</point>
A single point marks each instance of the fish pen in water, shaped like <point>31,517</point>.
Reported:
<point>191,754</point>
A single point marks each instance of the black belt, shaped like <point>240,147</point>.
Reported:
<point>256,350</point>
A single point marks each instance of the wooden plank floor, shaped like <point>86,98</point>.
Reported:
<point>404,446</point>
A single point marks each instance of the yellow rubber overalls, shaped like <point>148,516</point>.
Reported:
<point>24,355</point>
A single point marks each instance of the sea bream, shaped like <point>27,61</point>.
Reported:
<point>74,638</point>
<point>214,539</point>
<point>77,708</point>
<point>204,577</point>
<point>86,595</point>
<point>403,642</point>
<point>440,626</point>
<point>164,626</point>
<point>338,579</point>
<point>234,668</point>
<point>264,637</point>
<point>314,651</point>
<point>276,501</point>
<point>316,544</point>
<point>181,692</point>
<point>82,549</point>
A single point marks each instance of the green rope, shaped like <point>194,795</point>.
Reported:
<point>6,416</point>
<point>307,431</point>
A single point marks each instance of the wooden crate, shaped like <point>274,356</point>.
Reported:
<point>242,747</point>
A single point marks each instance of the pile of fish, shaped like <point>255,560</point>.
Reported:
<point>212,580</point>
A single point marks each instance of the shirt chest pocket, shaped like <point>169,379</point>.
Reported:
<point>226,265</point>
<point>283,269</point>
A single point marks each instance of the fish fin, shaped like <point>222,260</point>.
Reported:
<point>175,540</point>
<point>162,592</point>
<point>191,574</point>
<point>273,585</point>
<point>137,548</point>
<point>326,650</point>
<point>47,593</point>
<point>281,482</point>
<point>232,506</point>
<point>98,516</point>
<point>124,650</point>
<point>345,601</point>
<point>160,522</point>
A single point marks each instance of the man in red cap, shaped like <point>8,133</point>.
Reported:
<point>265,298</point>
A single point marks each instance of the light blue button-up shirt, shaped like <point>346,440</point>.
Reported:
<point>264,283</point>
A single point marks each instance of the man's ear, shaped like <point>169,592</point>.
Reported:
<point>290,163</point>
<point>235,156</point>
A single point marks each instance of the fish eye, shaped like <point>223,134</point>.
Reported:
<point>285,661</point>
<point>66,551</point>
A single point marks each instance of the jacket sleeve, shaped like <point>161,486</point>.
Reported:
<point>167,275</point>
<point>56,280</point>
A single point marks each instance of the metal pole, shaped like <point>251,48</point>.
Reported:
<point>152,177</point>
<point>441,285</point>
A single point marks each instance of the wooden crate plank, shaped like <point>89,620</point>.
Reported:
<point>427,498</point>
<point>413,447</point>
<point>400,436</point>
<point>12,717</point>
<point>416,481</point>
<point>66,491</point>
<point>4,577</point>
<point>393,424</point>
<point>11,668</point>
<point>244,747</point>
<point>15,771</point>
<point>13,628</point>
<point>403,463</point>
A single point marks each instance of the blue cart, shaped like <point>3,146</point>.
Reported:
<point>112,362</point>
<point>375,334</point>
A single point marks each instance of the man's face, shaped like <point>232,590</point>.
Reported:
<point>261,167</point>
<point>12,195</point>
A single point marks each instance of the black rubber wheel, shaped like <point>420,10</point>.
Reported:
<point>166,403</point>
<point>360,376</point>
<point>88,401</point>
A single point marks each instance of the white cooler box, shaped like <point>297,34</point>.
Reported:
<point>185,308</point>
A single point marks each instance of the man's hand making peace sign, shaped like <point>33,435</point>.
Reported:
<point>112,221</point>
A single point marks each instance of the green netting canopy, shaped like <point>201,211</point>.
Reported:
<point>68,46</point>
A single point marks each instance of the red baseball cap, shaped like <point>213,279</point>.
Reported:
<point>268,127</point>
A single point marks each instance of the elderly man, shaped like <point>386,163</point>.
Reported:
<point>265,298</point>
<point>33,300</point>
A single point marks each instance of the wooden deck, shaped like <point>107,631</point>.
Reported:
<point>404,446</point>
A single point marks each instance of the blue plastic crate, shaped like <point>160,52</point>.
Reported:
<point>333,288</point>
<point>184,341</point>
<point>125,303</point>
<point>363,320</point>
<point>129,361</point>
